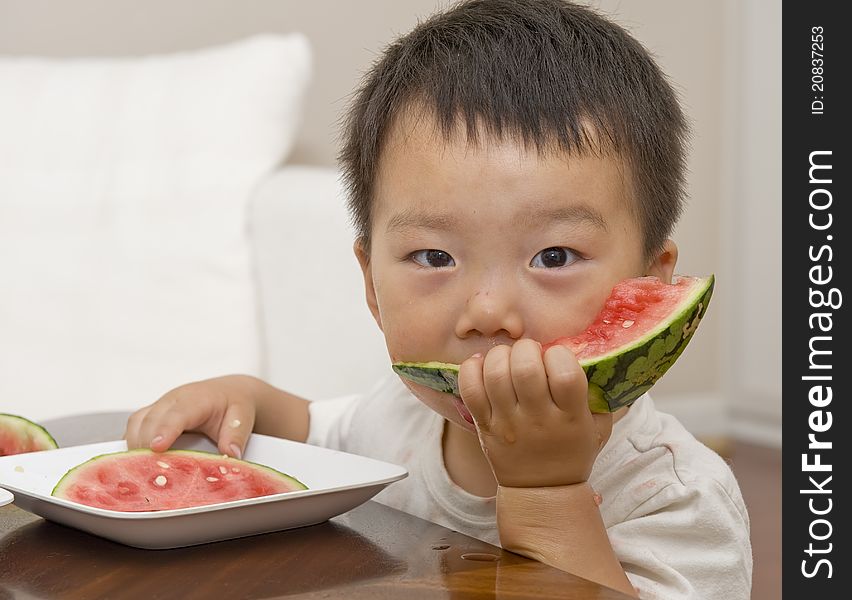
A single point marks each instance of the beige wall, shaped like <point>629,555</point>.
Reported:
<point>754,221</point>
<point>716,54</point>
<point>346,36</point>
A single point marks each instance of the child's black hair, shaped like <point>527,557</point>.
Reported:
<point>550,73</point>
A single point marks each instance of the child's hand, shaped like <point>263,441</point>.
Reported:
<point>222,408</point>
<point>532,414</point>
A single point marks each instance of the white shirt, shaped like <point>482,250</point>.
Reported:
<point>672,508</point>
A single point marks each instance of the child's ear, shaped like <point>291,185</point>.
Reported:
<point>663,264</point>
<point>367,269</point>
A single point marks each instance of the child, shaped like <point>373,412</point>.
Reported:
<point>508,162</point>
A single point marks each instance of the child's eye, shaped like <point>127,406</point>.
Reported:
<point>433,258</point>
<point>553,258</point>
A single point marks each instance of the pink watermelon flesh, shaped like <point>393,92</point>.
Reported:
<point>19,435</point>
<point>142,480</point>
<point>634,307</point>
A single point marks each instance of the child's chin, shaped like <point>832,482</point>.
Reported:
<point>464,413</point>
<point>452,414</point>
<point>463,424</point>
<point>442,403</point>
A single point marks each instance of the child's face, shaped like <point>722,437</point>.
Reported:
<point>478,246</point>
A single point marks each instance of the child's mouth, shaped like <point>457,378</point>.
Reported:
<point>463,411</point>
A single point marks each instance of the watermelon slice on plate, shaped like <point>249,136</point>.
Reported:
<point>643,328</point>
<point>19,435</point>
<point>336,482</point>
<point>142,480</point>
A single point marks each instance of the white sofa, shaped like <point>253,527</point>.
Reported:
<point>152,233</point>
<point>319,338</point>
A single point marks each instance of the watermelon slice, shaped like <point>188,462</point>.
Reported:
<point>644,326</point>
<point>19,435</point>
<point>142,480</point>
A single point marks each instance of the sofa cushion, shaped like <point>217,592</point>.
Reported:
<point>320,339</point>
<point>125,264</point>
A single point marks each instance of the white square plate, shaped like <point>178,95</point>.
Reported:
<point>336,481</point>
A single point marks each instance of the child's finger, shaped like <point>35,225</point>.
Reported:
<point>569,388</point>
<point>234,431</point>
<point>159,433</point>
<point>169,417</point>
<point>131,430</point>
<point>497,374</point>
<point>472,390</point>
<point>528,376</point>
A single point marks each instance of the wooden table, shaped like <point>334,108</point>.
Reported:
<point>370,552</point>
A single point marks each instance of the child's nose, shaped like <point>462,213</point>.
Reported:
<point>491,311</point>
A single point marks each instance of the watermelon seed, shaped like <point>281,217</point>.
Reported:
<point>161,480</point>
<point>212,479</point>
<point>162,465</point>
<point>627,324</point>
<point>223,470</point>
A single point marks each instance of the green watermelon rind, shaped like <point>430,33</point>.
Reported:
<point>616,379</point>
<point>696,301</point>
<point>630,371</point>
<point>25,426</point>
<point>443,377</point>
<point>68,478</point>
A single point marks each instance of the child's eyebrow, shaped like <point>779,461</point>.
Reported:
<point>580,213</point>
<point>415,218</point>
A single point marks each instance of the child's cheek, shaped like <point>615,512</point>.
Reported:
<point>410,333</point>
<point>403,334</point>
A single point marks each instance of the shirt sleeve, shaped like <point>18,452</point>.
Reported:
<point>330,421</point>
<point>688,541</point>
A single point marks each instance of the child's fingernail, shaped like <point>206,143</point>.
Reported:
<point>477,355</point>
<point>598,499</point>
<point>157,440</point>
<point>235,450</point>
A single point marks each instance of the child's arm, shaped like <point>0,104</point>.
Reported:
<point>534,424</point>
<point>562,527</point>
<point>226,409</point>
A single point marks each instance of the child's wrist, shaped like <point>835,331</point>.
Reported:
<point>530,511</point>
<point>532,520</point>
<point>579,492</point>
